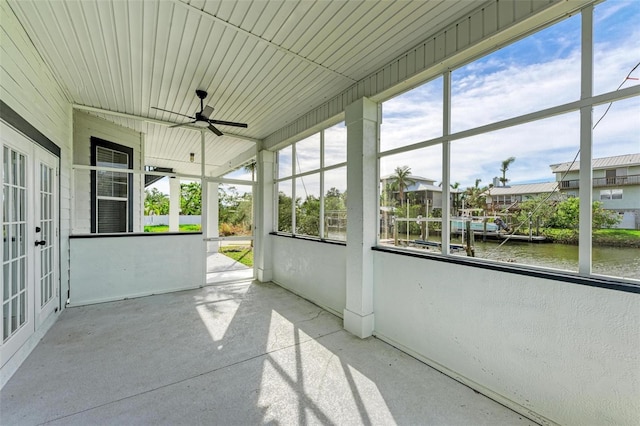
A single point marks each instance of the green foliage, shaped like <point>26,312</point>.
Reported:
<point>284,212</point>
<point>308,217</point>
<point>601,237</point>
<point>457,204</point>
<point>617,237</point>
<point>386,197</point>
<point>155,202</point>
<point>334,200</point>
<point>235,211</point>
<point>603,218</point>
<point>538,209</point>
<point>308,211</point>
<point>562,236</point>
<point>618,233</point>
<point>567,216</point>
<point>415,210</point>
<point>165,228</point>
<point>475,197</point>
<point>190,198</point>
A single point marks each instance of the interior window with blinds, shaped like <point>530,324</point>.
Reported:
<point>112,190</point>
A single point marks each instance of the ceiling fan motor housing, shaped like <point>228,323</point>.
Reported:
<point>201,121</point>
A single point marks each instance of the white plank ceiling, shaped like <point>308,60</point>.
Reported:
<point>263,62</point>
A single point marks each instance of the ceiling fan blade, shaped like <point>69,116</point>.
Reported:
<point>177,113</point>
<point>181,124</point>
<point>228,123</point>
<point>206,112</point>
<point>214,130</point>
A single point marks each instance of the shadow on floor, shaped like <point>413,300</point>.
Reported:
<point>236,354</point>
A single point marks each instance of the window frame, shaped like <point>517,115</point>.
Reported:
<point>294,175</point>
<point>584,103</point>
<point>95,143</point>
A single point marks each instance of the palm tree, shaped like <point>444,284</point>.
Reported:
<point>402,180</point>
<point>456,197</point>
<point>475,195</point>
<point>505,166</point>
<point>251,167</point>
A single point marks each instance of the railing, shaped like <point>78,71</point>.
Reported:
<point>504,205</point>
<point>605,181</point>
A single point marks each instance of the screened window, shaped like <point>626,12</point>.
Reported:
<point>511,123</point>
<point>111,191</point>
<point>312,186</point>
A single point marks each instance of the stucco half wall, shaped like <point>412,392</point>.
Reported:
<point>107,268</point>
<point>564,352</point>
<point>311,269</point>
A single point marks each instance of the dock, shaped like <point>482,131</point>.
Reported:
<point>438,244</point>
<point>527,238</point>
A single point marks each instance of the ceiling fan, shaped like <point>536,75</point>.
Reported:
<point>202,119</point>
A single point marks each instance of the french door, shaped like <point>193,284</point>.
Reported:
<point>30,267</point>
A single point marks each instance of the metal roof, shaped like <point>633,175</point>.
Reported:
<point>527,188</point>
<point>600,163</point>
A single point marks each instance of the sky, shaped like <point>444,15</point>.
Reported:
<point>537,72</point>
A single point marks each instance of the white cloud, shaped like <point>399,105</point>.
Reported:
<point>492,90</point>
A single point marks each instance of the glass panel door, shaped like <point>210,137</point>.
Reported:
<point>17,293</point>
<point>46,235</point>
<point>29,252</point>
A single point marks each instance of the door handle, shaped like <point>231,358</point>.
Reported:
<point>41,243</point>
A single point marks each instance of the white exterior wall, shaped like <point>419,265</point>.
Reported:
<point>27,87</point>
<point>630,198</point>
<point>114,268</point>
<point>311,269</point>
<point>84,127</point>
<point>567,352</point>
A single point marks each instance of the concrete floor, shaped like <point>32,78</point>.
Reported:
<point>236,354</point>
<point>223,269</point>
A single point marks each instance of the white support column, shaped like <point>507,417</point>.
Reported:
<point>446,164</point>
<point>322,231</point>
<point>174,204</point>
<point>213,217</point>
<point>138,222</point>
<point>204,205</point>
<point>362,136</point>
<point>585,191</point>
<point>263,216</point>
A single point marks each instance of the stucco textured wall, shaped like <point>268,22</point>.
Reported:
<point>566,352</point>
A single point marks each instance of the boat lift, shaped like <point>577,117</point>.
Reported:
<point>424,242</point>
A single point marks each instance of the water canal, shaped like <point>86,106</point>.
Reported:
<point>619,262</point>
<point>623,262</point>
